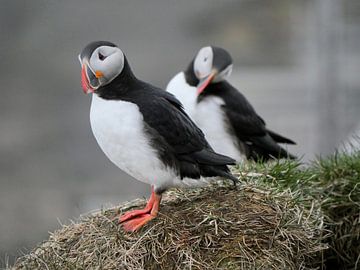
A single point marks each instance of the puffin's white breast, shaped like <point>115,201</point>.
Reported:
<point>184,92</point>
<point>210,117</point>
<point>119,130</point>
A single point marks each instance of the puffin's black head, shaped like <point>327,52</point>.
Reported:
<point>211,65</point>
<point>101,62</point>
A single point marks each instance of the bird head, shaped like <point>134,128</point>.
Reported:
<point>211,65</point>
<point>101,62</point>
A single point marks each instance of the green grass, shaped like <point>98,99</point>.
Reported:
<point>333,185</point>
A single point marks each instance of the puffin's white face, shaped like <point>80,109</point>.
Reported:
<point>211,65</point>
<point>104,64</point>
<point>203,63</point>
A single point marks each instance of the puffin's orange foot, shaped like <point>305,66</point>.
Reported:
<point>134,224</point>
<point>133,214</point>
<point>135,219</point>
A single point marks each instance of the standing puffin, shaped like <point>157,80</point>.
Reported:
<point>229,122</point>
<point>144,130</point>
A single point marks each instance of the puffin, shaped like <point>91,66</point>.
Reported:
<point>145,131</point>
<point>230,123</point>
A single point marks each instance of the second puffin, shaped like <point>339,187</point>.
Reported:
<point>229,122</point>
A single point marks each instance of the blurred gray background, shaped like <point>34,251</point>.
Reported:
<point>298,62</point>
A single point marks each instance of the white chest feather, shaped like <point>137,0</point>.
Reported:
<point>211,119</point>
<point>184,92</point>
<point>119,130</point>
<point>208,115</point>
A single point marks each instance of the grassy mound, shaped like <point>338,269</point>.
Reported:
<point>284,216</point>
<point>217,227</point>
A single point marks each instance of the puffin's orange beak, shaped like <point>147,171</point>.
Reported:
<point>205,82</point>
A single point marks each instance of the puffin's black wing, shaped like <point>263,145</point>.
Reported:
<point>248,126</point>
<point>179,142</point>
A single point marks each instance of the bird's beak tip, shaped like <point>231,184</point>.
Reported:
<point>80,60</point>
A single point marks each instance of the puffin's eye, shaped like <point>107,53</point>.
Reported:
<point>101,56</point>
<point>205,59</point>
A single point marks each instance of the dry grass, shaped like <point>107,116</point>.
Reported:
<point>218,227</point>
<point>284,216</point>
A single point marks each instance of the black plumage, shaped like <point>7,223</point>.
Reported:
<point>254,138</point>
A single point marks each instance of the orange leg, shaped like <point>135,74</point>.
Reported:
<point>135,219</point>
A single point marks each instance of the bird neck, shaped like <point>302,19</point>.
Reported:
<point>122,84</point>
<point>214,89</point>
<point>190,75</point>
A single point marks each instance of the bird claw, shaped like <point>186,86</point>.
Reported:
<point>135,219</point>
<point>135,224</point>
<point>133,214</point>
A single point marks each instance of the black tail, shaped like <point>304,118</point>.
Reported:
<point>259,154</point>
<point>223,171</point>
<point>206,163</point>
<point>209,157</point>
<point>266,148</point>
<point>280,139</point>
<point>213,164</point>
